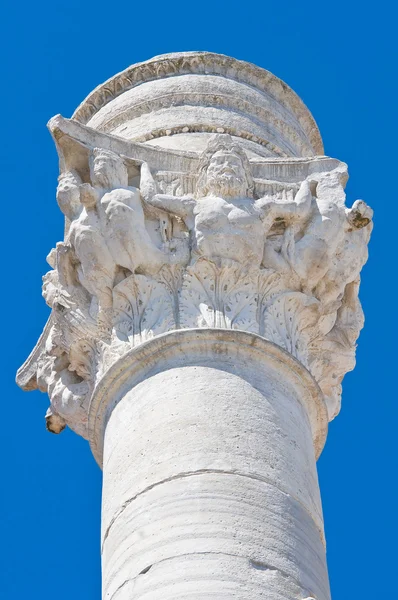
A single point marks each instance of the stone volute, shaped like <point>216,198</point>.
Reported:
<point>204,313</point>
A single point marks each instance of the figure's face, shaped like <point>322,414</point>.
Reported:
<point>226,174</point>
<point>109,174</point>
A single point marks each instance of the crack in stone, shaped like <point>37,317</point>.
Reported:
<point>203,472</point>
<point>258,565</point>
<point>144,571</point>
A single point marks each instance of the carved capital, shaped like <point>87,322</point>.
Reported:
<point>154,244</point>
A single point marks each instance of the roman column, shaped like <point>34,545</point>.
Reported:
<point>204,313</point>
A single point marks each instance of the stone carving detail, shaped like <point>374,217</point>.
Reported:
<point>288,319</point>
<point>218,296</point>
<point>212,248</point>
<point>196,63</point>
<point>142,308</point>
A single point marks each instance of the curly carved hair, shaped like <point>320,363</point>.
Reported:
<point>105,154</point>
<point>217,142</point>
<point>109,157</point>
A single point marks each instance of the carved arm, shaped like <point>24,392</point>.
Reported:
<point>301,205</point>
<point>180,206</point>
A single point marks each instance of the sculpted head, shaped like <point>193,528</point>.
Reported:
<point>224,170</point>
<point>68,195</point>
<point>107,170</point>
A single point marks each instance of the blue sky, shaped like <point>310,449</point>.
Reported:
<point>342,61</point>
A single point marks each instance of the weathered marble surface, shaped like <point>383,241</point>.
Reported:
<point>148,250</point>
<point>204,313</point>
<point>208,460</point>
<point>177,100</point>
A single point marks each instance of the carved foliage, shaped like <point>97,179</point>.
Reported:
<point>142,308</point>
<point>288,320</point>
<point>218,296</point>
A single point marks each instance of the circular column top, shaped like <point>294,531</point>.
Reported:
<point>187,347</point>
<point>178,100</point>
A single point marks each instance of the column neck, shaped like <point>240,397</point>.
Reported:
<point>243,353</point>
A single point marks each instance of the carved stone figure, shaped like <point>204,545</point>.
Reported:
<point>225,221</point>
<point>96,268</point>
<point>123,219</point>
<point>68,194</point>
<point>328,226</point>
<point>67,389</point>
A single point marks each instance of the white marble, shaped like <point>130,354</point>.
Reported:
<point>202,93</point>
<point>214,248</point>
<point>201,220</point>
<point>209,453</point>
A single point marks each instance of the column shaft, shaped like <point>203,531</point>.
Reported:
<point>210,486</point>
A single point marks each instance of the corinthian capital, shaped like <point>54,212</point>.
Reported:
<point>157,241</point>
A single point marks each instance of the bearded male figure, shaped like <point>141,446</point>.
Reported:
<point>225,221</point>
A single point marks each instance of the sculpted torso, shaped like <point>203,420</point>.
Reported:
<point>230,229</point>
<point>123,223</point>
<point>96,268</point>
<point>225,221</point>
<point>86,238</point>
